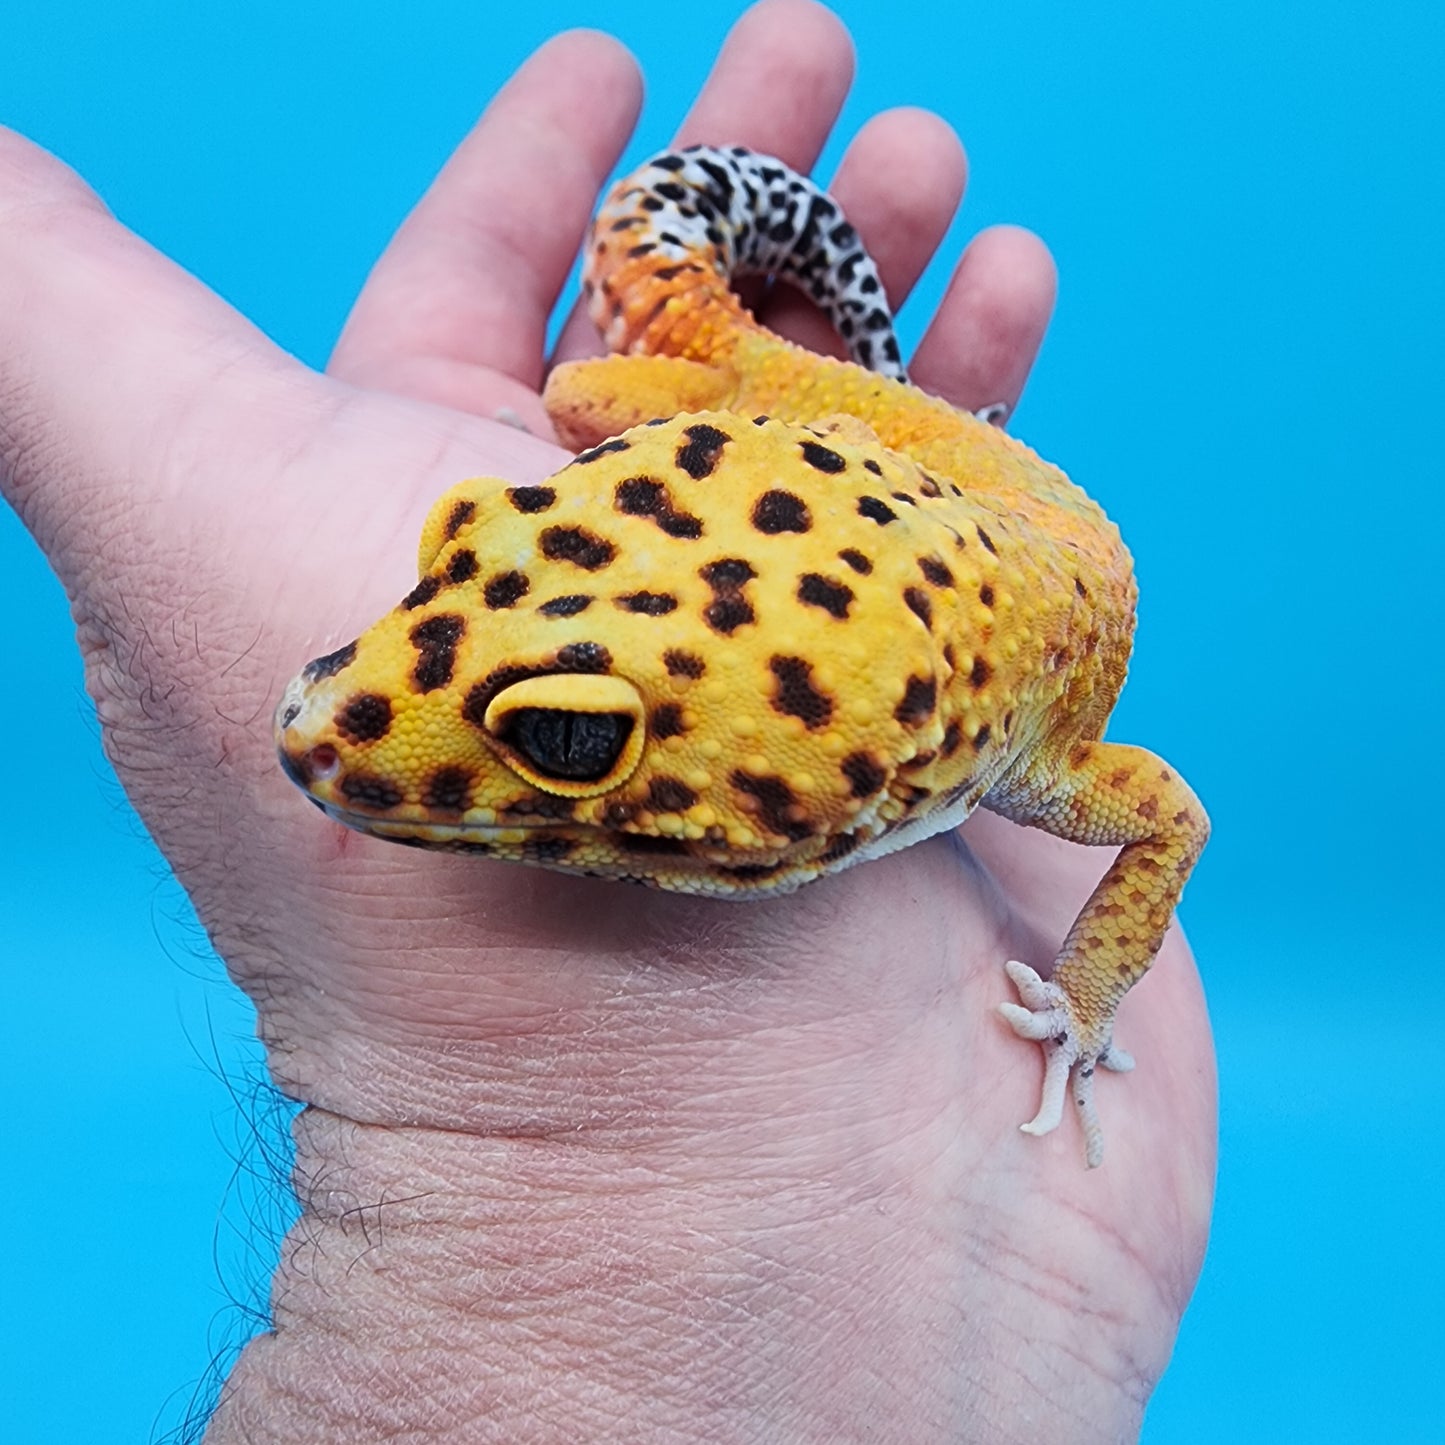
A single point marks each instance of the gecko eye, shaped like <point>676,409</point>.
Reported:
<point>571,734</point>
<point>581,746</point>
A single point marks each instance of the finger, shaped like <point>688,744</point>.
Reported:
<point>982,344</point>
<point>467,284</point>
<point>777,86</point>
<point>899,184</point>
<point>115,366</point>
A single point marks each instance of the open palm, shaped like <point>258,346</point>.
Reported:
<point>580,1160</point>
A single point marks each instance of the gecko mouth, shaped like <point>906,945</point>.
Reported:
<point>425,830</point>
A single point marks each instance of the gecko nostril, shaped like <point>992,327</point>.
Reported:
<point>323,762</point>
<point>291,713</point>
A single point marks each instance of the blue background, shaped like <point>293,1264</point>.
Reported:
<point>1246,203</point>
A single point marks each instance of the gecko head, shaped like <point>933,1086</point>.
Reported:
<point>380,753</point>
<point>671,661</point>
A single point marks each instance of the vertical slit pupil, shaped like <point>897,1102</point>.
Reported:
<point>580,746</point>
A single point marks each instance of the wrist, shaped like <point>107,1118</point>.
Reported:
<point>704,1195</point>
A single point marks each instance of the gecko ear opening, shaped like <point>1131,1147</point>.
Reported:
<point>574,735</point>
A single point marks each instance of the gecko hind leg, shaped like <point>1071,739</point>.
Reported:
<point>1046,1018</point>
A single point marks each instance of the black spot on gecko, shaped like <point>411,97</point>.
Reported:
<point>463,566</point>
<point>680,524</point>
<point>506,589</point>
<point>370,792</point>
<point>670,795</point>
<point>920,605</point>
<point>985,539</point>
<point>640,497</point>
<point>541,805</point>
<point>479,696</point>
<point>366,718</point>
<point>980,674</point>
<point>865,774</point>
<point>876,511</point>
<point>722,182</point>
<point>436,639</point>
<point>778,511</point>
<point>458,518</point>
<point>777,805</point>
<point>583,657</point>
<point>729,609</point>
<point>532,499</point>
<point>329,664</point>
<point>869,465</point>
<point>980,738</point>
<point>985,595</point>
<point>698,455</point>
<point>650,604</point>
<point>448,789</point>
<point>952,737</point>
<point>683,664</point>
<point>856,560</point>
<point>935,572</point>
<point>578,546</point>
<point>648,497</point>
<point>919,699</point>
<point>796,694</point>
<point>823,459</point>
<point>582,459</point>
<point>665,720</point>
<point>421,594</point>
<point>568,606</point>
<point>1081,589</point>
<point>833,597</point>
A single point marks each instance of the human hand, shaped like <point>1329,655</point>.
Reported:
<point>581,1161</point>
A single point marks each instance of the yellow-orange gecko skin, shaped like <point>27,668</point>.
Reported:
<point>783,614</point>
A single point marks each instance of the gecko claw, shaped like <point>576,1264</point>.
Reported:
<point>1047,1019</point>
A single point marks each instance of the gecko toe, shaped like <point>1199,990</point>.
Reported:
<point>1046,1019</point>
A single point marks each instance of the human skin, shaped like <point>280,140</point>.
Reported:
<point>581,1161</point>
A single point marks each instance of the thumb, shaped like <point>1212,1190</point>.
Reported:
<point>116,366</point>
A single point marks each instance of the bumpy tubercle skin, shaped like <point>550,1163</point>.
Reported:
<point>810,617</point>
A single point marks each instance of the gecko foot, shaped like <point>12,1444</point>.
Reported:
<point>1048,1019</point>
